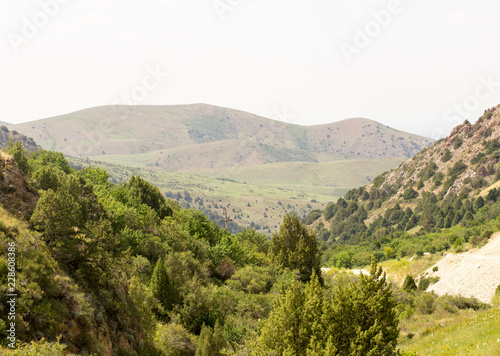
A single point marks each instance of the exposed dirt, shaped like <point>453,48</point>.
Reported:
<point>475,273</point>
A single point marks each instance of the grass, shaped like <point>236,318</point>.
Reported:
<point>467,333</point>
<point>262,203</point>
<point>262,193</point>
<point>397,270</point>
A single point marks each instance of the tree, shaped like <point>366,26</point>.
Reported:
<point>359,320</point>
<point>389,253</point>
<point>47,178</point>
<point>283,332</point>
<point>57,214</point>
<point>446,156</point>
<point>478,203</point>
<point>410,193</point>
<point>52,159</point>
<point>21,156</point>
<point>361,317</point>
<point>161,285</point>
<point>150,196</point>
<point>206,343</point>
<point>295,247</point>
<point>174,340</point>
<point>409,284</point>
<point>211,342</point>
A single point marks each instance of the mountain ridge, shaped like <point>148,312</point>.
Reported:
<point>169,133</point>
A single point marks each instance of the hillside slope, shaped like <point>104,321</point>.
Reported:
<point>200,136</point>
<point>440,187</point>
<point>27,142</point>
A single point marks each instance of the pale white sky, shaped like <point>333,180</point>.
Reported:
<point>416,65</point>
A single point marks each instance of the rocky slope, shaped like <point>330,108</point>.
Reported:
<point>27,142</point>
<point>442,186</point>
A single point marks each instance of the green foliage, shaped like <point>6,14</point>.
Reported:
<point>410,193</point>
<point>296,248</point>
<point>39,348</point>
<point>446,156</point>
<point>44,158</point>
<point>287,331</point>
<point>21,156</point>
<point>424,283</point>
<point>457,169</point>
<point>457,143</point>
<point>329,211</point>
<point>409,284</point>
<point>359,320</point>
<point>253,279</point>
<point>173,340</point>
<point>211,341</point>
<point>161,285</point>
<point>312,217</point>
<point>150,196</point>
<point>46,177</point>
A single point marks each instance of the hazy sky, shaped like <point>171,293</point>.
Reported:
<point>416,65</point>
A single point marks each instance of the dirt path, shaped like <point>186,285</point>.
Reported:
<point>470,274</point>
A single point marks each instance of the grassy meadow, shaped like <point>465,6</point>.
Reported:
<point>259,194</point>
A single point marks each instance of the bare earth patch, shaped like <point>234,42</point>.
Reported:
<point>470,274</point>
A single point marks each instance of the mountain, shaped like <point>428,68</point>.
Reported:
<point>452,184</point>
<point>5,136</point>
<point>200,136</point>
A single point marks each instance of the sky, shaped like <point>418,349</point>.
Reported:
<point>416,65</point>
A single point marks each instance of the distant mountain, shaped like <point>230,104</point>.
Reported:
<point>200,136</point>
<point>27,142</point>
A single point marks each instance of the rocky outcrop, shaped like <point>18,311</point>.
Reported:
<point>16,194</point>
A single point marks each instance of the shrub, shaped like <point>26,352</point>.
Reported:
<point>458,143</point>
<point>424,284</point>
<point>457,169</point>
<point>409,284</point>
<point>410,193</point>
<point>174,340</point>
<point>446,156</point>
<point>425,303</point>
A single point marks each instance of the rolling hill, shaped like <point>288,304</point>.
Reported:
<point>199,136</point>
<point>228,158</point>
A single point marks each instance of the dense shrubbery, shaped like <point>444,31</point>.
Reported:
<point>122,258</point>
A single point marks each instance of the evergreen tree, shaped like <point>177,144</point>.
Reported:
<point>206,343</point>
<point>409,284</point>
<point>161,285</point>
<point>219,338</point>
<point>361,318</point>
<point>283,332</point>
<point>295,247</point>
<point>149,195</point>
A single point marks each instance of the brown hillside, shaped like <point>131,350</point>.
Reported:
<point>183,137</point>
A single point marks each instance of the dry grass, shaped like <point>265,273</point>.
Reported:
<point>397,270</point>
